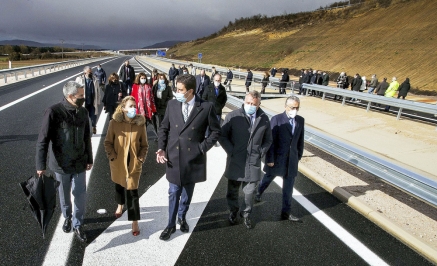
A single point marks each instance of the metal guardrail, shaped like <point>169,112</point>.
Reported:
<point>371,98</point>
<point>58,65</point>
<point>406,180</point>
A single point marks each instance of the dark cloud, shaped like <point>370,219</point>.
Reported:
<point>131,23</point>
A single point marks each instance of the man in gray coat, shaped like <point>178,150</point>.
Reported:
<point>246,138</point>
<point>182,146</point>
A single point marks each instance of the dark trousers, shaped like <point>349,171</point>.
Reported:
<point>132,200</point>
<point>287,190</point>
<point>92,114</point>
<point>128,85</point>
<point>232,196</point>
<point>179,199</point>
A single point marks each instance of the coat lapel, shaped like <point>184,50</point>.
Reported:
<point>286,121</point>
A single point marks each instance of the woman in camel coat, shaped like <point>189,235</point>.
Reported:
<point>126,147</point>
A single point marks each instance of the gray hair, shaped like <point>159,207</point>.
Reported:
<point>71,88</point>
<point>255,94</point>
<point>394,79</point>
<point>292,98</point>
<point>217,75</point>
<point>85,69</point>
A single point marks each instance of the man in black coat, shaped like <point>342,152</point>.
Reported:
<point>356,84</point>
<point>182,146</point>
<point>248,80</point>
<point>284,154</point>
<point>202,81</point>
<point>127,75</point>
<point>216,94</point>
<point>67,127</point>
<point>285,78</point>
<point>229,78</point>
<point>172,74</point>
<point>246,137</point>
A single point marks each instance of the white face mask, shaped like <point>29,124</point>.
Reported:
<point>143,81</point>
<point>292,113</point>
<point>216,83</point>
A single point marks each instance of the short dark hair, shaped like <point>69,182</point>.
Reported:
<point>188,80</point>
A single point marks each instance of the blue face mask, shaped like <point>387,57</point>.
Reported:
<point>131,112</point>
<point>180,97</point>
<point>249,109</point>
<point>161,86</point>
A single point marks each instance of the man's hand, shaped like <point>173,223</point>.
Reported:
<point>40,172</point>
<point>89,166</point>
<point>271,164</point>
<point>160,156</point>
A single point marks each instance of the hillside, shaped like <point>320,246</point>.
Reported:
<point>397,39</point>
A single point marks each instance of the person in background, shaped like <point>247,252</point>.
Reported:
<point>172,74</point>
<point>216,94</point>
<point>202,81</point>
<point>163,94</point>
<point>92,95</point>
<point>363,84</point>
<point>356,85</point>
<point>143,94</point>
<point>325,79</point>
<point>248,80</point>
<point>284,154</point>
<point>265,82</point>
<point>285,78</point>
<point>115,91</point>
<point>183,149</point>
<point>126,148</point>
<point>100,75</point>
<point>273,72</point>
<point>213,72</point>
<point>341,82</point>
<point>127,75</point>
<point>193,69</point>
<point>65,134</point>
<point>154,76</point>
<point>373,83</point>
<point>229,78</point>
<point>184,70</point>
<point>246,137</point>
<point>404,89</point>
<point>391,91</point>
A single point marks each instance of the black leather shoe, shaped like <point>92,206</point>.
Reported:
<point>67,226</point>
<point>233,218</point>
<point>286,216</point>
<point>184,226</point>
<point>247,221</point>
<point>258,197</point>
<point>78,231</point>
<point>165,235</point>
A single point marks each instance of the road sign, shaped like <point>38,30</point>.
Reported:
<point>199,55</point>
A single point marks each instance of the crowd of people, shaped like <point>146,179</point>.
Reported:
<point>187,118</point>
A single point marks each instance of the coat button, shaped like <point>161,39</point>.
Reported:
<point>176,125</point>
<point>189,149</point>
<point>192,128</point>
<point>177,147</point>
<point>189,138</point>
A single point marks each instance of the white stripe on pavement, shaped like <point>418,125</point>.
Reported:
<point>354,244</point>
<point>117,246</point>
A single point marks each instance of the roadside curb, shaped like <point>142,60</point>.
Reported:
<point>387,225</point>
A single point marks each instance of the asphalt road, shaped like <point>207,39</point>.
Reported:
<point>213,241</point>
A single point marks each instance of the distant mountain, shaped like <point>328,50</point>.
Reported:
<point>166,44</point>
<point>37,44</point>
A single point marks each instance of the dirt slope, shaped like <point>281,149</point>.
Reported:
<point>399,40</point>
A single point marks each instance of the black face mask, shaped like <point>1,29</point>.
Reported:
<point>79,102</point>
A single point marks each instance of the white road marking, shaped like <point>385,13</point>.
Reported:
<point>117,246</point>
<point>354,244</point>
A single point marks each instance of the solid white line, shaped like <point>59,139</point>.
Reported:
<point>354,244</point>
<point>60,244</point>
<point>41,90</point>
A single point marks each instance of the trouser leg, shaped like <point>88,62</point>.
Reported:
<point>79,193</point>
<point>64,191</point>
<point>287,193</point>
<point>174,194</point>
<point>232,195</point>
<point>248,189</point>
<point>265,182</point>
<point>120,194</point>
<point>133,205</point>
<point>186,196</point>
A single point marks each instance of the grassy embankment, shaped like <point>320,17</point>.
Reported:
<point>397,40</point>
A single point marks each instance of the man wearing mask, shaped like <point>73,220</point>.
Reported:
<point>182,146</point>
<point>285,78</point>
<point>92,95</point>
<point>172,74</point>
<point>216,94</point>
<point>246,137</point>
<point>66,126</point>
<point>229,78</point>
<point>284,154</point>
<point>100,75</point>
<point>202,81</point>
<point>248,80</point>
<point>127,75</point>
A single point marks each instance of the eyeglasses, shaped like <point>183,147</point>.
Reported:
<point>293,107</point>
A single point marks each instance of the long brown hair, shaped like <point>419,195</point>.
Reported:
<point>113,78</point>
<point>138,77</point>
<point>123,104</point>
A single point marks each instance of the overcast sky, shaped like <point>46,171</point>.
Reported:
<point>127,24</point>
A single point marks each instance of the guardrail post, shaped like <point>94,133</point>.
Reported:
<point>368,106</point>
<point>6,78</point>
<point>344,100</point>
<point>33,72</point>
<point>399,114</point>
<point>323,96</point>
<point>39,71</point>
<point>16,76</point>
<point>25,76</point>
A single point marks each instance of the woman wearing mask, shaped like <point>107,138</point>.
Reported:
<point>126,147</point>
<point>114,92</point>
<point>162,93</point>
<point>264,82</point>
<point>143,94</point>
